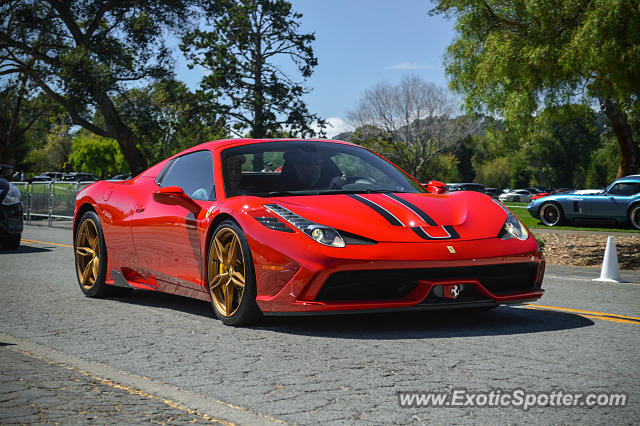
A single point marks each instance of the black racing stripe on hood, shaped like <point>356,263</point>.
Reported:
<point>378,209</point>
<point>452,231</point>
<point>417,210</point>
<point>423,234</point>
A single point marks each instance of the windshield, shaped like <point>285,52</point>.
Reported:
<point>305,168</point>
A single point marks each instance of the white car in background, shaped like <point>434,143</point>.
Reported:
<point>517,195</point>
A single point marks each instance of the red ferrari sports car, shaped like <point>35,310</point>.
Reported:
<point>327,226</point>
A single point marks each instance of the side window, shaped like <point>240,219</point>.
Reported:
<point>193,173</point>
<point>623,189</point>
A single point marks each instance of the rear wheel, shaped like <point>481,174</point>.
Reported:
<point>231,277</point>
<point>516,199</point>
<point>634,216</point>
<point>91,256</point>
<point>551,214</point>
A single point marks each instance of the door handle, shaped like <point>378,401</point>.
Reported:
<point>139,208</point>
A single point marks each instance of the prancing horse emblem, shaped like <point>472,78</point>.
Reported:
<point>451,249</point>
<point>455,291</point>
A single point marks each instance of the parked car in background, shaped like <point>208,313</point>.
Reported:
<point>39,178</point>
<point>493,192</point>
<point>619,203</point>
<point>126,176</point>
<point>10,213</point>
<point>516,195</point>
<point>53,175</point>
<point>466,187</point>
<point>78,177</point>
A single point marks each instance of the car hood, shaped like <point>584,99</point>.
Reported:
<point>402,217</point>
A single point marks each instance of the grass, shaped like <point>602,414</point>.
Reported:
<point>530,222</point>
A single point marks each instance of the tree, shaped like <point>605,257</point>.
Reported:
<point>243,53</point>
<point>166,117</point>
<point>58,148</point>
<point>82,53</point>
<point>19,113</point>
<point>410,123</point>
<point>511,56</point>
<point>95,154</point>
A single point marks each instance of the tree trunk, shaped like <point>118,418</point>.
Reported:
<point>6,152</point>
<point>629,150</point>
<point>121,133</point>
<point>258,130</point>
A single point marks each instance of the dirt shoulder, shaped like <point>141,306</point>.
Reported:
<point>582,248</point>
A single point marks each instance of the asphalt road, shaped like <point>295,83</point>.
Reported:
<point>161,358</point>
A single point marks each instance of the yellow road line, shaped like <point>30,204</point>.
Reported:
<point>580,311</point>
<point>45,242</point>
<point>610,319</point>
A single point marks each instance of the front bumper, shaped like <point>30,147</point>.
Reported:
<point>389,285</point>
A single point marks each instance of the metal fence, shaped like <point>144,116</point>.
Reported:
<point>53,201</point>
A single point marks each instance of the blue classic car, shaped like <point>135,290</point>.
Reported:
<point>619,203</point>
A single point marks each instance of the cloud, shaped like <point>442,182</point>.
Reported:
<point>405,66</point>
<point>335,126</point>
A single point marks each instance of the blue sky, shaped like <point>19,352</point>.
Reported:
<point>360,43</point>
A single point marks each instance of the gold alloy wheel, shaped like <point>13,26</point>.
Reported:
<point>226,272</point>
<point>87,254</point>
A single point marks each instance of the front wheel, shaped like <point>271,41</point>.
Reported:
<point>231,277</point>
<point>551,214</point>
<point>634,216</point>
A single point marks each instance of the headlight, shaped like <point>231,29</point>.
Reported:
<point>321,233</point>
<point>512,227</point>
<point>13,195</point>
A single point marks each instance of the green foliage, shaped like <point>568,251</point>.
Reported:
<point>83,53</point>
<point>511,56</point>
<point>58,148</point>
<point>248,41</point>
<point>445,168</point>
<point>166,117</point>
<point>602,167</point>
<point>494,173</point>
<point>97,155</point>
<point>552,149</point>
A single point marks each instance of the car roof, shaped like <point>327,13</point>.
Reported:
<point>630,178</point>
<point>246,141</point>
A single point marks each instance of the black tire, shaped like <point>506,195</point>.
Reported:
<point>95,285</point>
<point>516,199</point>
<point>10,242</point>
<point>551,214</point>
<point>634,216</point>
<point>245,311</point>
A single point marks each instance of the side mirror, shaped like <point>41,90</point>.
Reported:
<point>174,195</point>
<point>437,187</point>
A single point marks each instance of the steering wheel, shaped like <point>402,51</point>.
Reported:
<point>340,181</point>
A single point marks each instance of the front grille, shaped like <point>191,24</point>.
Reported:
<point>389,284</point>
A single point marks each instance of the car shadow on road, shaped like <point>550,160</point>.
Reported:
<point>436,324</point>
<point>24,250</point>
<point>155,299</point>
<point>503,320</point>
